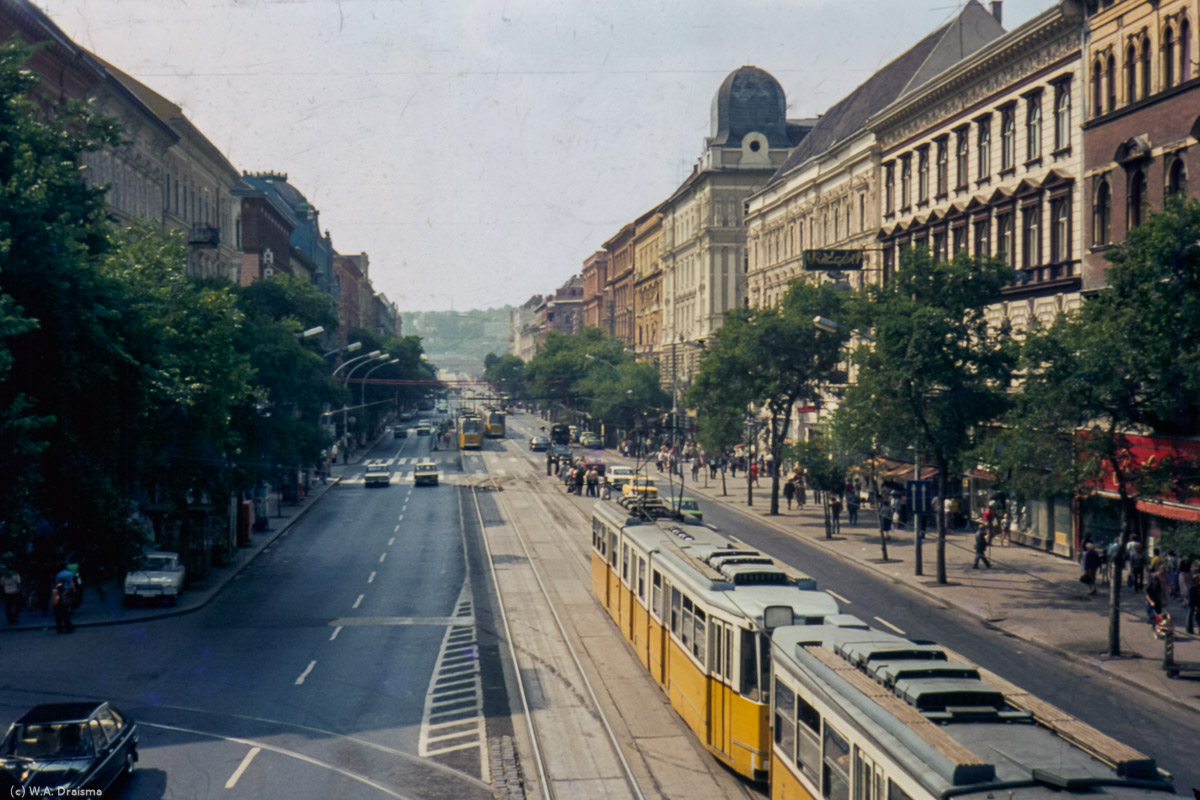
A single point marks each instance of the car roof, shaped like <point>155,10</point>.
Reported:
<point>60,712</point>
<point>160,553</point>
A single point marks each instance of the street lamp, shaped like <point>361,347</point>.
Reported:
<point>350,348</point>
<point>317,331</point>
<point>344,364</point>
<point>363,396</point>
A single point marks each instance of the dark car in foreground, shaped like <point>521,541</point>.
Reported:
<point>59,747</point>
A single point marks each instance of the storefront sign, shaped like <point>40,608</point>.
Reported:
<point>833,259</point>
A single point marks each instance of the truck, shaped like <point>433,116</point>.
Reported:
<point>378,474</point>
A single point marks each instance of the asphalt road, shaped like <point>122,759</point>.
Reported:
<point>310,675</point>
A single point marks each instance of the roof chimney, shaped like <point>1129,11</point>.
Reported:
<point>997,10</point>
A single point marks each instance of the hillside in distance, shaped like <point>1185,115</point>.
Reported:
<point>458,341</point>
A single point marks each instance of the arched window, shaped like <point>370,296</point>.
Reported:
<point>1185,51</point>
<point>1177,178</point>
<point>1008,135</point>
<point>1168,49</point>
<point>1062,117</point>
<point>1131,73</point>
<point>1102,214</point>
<point>1097,88</point>
<point>1112,82</point>
<point>1146,83</point>
<point>1136,201</point>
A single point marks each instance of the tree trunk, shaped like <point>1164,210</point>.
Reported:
<point>943,488</point>
<point>828,521</point>
<point>1128,517</point>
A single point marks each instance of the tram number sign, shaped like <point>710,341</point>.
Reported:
<point>920,497</point>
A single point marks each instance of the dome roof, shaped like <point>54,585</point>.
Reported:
<point>749,101</point>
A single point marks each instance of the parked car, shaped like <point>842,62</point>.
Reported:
<point>589,439</point>
<point>539,443</point>
<point>425,473</point>
<point>57,749</point>
<point>157,575</point>
<point>685,506</point>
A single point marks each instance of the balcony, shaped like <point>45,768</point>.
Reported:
<point>204,236</point>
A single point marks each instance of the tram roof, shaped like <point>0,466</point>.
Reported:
<point>960,735</point>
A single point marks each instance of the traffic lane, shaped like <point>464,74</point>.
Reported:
<point>1128,714</point>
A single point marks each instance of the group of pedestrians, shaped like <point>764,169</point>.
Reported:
<point>66,594</point>
<point>580,479</point>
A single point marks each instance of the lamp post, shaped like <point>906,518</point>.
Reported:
<point>350,348</point>
<point>344,364</point>
<point>317,331</point>
<point>363,396</point>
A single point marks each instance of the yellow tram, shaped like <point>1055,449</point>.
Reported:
<point>697,608</point>
<point>495,425</point>
<point>470,432</point>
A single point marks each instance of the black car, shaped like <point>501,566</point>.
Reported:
<point>539,443</point>
<point>66,746</point>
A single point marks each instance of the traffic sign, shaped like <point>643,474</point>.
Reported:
<point>920,497</point>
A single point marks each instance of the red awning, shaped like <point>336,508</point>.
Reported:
<point>1181,513</point>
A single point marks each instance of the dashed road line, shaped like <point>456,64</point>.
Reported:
<point>382,556</point>
<point>883,621</point>
<point>839,597</point>
<point>336,631</point>
<point>391,541</point>
<point>371,577</point>
<point>358,602</point>
<point>237,773</point>
<point>306,672</point>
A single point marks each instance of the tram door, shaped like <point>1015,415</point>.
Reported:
<point>720,693</point>
<point>868,778</point>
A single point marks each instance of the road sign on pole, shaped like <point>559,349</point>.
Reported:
<point>920,497</point>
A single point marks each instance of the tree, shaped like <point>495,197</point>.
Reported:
<point>506,375</point>
<point>936,371</point>
<point>1125,364</point>
<point>771,358</point>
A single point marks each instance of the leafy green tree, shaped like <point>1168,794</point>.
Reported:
<point>935,371</point>
<point>772,358</point>
<point>718,429</point>
<point>1124,364</point>
<point>506,375</point>
<point>825,467</point>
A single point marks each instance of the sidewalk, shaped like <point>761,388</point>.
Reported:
<point>1028,593</point>
<point>105,604</point>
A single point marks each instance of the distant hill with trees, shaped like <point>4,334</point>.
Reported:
<point>459,340</point>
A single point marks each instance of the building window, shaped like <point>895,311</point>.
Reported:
<point>1185,51</point>
<point>962,148</point>
<point>1112,82</point>
<point>1033,128</point>
<point>1004,238</point>
<point>905,182</point>
<point>983,238</point>
<point>862,211</point>
<point>923,175</point>
<point>1102,215</point>
<point>1130,73</point>
<point>983,148</point>
<point>1097,88</point>
<point>939,245</point>
<point>1136,201</point>
<point>1168,48</point>
<point>889,188</point>
<point>1060,230</point>
<point>1177,178</point>
<point>943,167</point>
<point>960,239</point>
<point>1008,138</point>
<point>1062,117</point>
<point>1031,236</point>
<point>1146,68</point>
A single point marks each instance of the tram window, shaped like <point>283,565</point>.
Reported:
<point>728,653</point>
<point>764,663</point>
<point>641,578</point>
<point>749,665</point>
<point>808,743</point>
<point>625,562</point>
<point>700,645</point>
<point>835,778</point>
<point>656,593</point>
<point>895,792</point>
<point>675,602</point>
<point>785,719</point>
<point>717,662</point>
<point>867,779</point>
<point>612,549</point>
<point>685,632</point>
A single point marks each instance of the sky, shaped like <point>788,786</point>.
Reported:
<point>479,150</point>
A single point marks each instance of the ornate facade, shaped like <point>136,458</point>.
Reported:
<point>647,286</point>
<point>1141,126</point>
<point>618,321</point>
<point>595,290</point>
<point>985,159</point>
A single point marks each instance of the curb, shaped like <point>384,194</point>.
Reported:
<point>178,611</point>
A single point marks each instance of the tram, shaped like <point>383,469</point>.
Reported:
<point>779,685</point>
<point>495,425</point>
<point>470,432</point>
<point>698,609</point>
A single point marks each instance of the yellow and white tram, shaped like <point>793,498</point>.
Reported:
<point>864,714</point>
<point>698,609</point>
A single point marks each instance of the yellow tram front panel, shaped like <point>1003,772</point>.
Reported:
<point>784,783</point>
<point>750,736</point>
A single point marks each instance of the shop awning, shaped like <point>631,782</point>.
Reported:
<point>1175,511</point>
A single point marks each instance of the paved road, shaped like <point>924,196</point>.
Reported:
<point>313,674</point>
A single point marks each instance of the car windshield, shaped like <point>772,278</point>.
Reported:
<point>50,740</point>
<point>156,564</point>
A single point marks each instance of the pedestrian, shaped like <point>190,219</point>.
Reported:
<point>579,479</point>
<point>852,504</point>
<point>948,510</point>
<point>897,510</point>
<point>1090,563</point>
<point>1137,565</point>
<point>1193,598</point>
<point>1173,573</point>
<point>754,473</point>
<point>13,597</point>
<point>835,510</point>
<point>60,599</point>
<point>593,483</point>
<point>1155,591</point>
<point>695,469</point>
<point>981,546</point>
<point>989,518</point>
<point>605,488</point>
<point>789,491</point>
<point>801,496</point>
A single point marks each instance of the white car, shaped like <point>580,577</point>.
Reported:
<point>158,575</point>
<point>619,476</point>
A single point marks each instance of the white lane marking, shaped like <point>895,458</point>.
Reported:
<point>371,577</point>
<point>839,597</point>
<point>358,602</point>
<point>396,529</point>
<point>399,519</point>
<point>391,541</point>
<point>237,773</point>
<point>382,556</point>
<point>304,674</point>
<point>883,621</point>
<point>336,631</point>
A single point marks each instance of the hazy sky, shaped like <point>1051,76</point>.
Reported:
<point>479,150</point>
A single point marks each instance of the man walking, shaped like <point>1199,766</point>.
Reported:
<point>981,545</point>
<point>835,511</point>
<point>1091,564</point>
